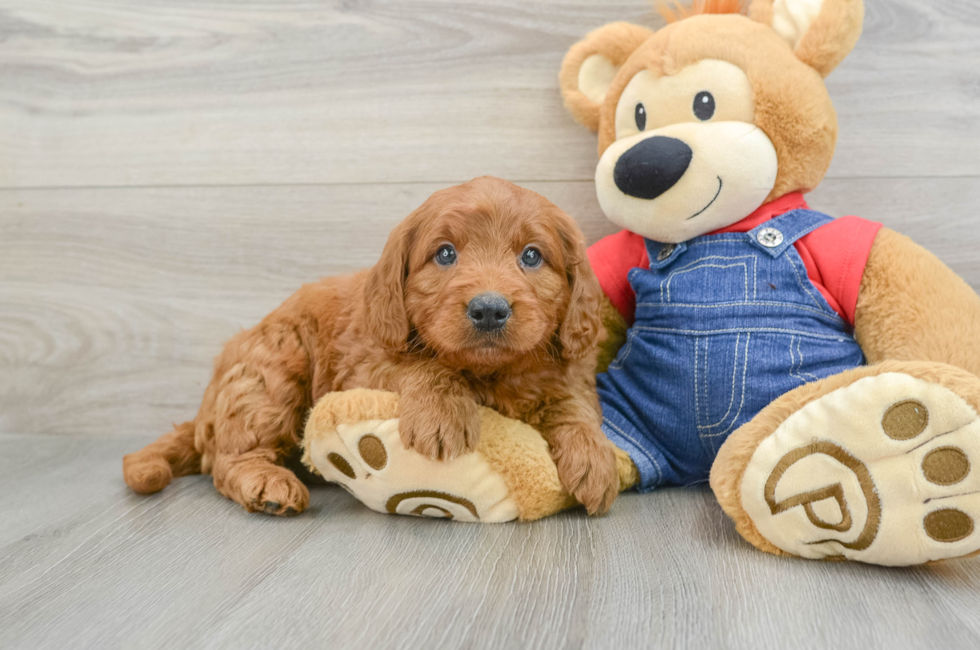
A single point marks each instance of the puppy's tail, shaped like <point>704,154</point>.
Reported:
<point>151,468</point>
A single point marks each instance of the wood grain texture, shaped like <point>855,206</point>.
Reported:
<point>115,301</point>
<point>170,170</point>
<point>86,564</point>
<point>192,92</point>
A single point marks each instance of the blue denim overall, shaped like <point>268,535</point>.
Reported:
<point>724,325</point>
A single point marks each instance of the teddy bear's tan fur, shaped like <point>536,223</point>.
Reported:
<point>917,323</point>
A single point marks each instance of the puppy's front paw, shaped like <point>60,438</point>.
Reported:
<point>588,471</point>
<point>274,490</point>
<point>439,426</point>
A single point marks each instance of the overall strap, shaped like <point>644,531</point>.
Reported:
<point>661,255</point>
<point>779,233</point>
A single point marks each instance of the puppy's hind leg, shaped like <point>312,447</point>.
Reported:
<point>258,412</point>
<point>151,468</point>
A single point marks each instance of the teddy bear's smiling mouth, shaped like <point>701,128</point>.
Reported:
<point>710,203</point>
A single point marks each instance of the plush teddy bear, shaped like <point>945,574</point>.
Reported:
<point>823,372</point>
<point>352,439</point>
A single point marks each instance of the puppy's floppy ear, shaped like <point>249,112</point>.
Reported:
<point>582,326</point>
<point>821,32</point>
<point>591,65</point>
<point>384,290</point>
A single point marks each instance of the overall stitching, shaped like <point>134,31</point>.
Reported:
<point>638,445</point>
<point>734,330</point>
<point>745,368</point>
<point>699,264</point>
<point>664,407</point>
<point>707,373</point>
<point>787,305</point>
<point>803,282</point>
<point>624,352</point>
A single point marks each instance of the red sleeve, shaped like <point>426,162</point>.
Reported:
<point>835,256</point>
<point>612,258</point>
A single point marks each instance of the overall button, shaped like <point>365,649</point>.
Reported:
<point>770,237</point>
<point>666,251</point>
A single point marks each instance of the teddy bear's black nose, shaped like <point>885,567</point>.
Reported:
<point>651,167</point>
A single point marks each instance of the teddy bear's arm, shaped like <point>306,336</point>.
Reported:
<point>912,307</point>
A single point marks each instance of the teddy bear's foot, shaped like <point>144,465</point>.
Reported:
<point>352,439</point>
<point>881,466</point>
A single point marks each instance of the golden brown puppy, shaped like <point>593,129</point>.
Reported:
<point>483,295</point>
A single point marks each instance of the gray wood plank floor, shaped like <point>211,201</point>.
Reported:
<point>170,170</point>
<point>85,563</point>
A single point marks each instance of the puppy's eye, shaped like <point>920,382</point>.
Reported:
<point>704,106</point>
<point>640,113</point>
<point>446,255</point>
<point>531,257</point>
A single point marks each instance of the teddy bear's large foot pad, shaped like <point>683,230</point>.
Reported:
<point>352,439</point>
<point>885,470</point>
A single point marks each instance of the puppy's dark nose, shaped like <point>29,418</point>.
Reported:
<point>488,311</point>
<point>651,167</point>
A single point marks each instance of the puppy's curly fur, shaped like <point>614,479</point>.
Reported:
<point>403,326</point>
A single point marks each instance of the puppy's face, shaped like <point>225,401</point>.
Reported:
<point>487,279</point>
<point>490,272</point>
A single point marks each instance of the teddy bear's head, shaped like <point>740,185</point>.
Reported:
<point>703,121</point>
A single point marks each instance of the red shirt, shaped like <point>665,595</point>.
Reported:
<point>835,256</point>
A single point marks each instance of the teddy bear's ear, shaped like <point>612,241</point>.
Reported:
<point>592,63</point>
<point>821,32</point>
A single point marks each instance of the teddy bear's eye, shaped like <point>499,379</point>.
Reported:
<point>704,106</point>
<point>641,117</point>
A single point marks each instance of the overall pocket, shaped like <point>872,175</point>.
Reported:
<point>721,398</point>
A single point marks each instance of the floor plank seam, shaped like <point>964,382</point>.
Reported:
<point>518,181</point>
